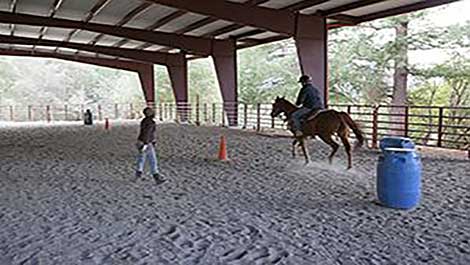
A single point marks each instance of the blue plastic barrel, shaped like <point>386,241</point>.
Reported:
<point>396,141</point>
<point>399,177</point>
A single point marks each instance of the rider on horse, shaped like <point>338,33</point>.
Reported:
<point>310,101</point>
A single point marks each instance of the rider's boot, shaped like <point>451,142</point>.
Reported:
<point>299,133</point>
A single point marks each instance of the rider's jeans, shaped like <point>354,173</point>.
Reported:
<point>297,115</point>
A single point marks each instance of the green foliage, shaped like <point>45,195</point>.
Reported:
<point>163,89</point>
<point>268,71</point>
<point>362,61</point>
<point>203,81</point>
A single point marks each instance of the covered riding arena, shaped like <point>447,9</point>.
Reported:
<point>67,192</point>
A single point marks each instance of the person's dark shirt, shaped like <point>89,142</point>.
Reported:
<point>88,117</point>
<point>147,130</point>
<point>309,97</point>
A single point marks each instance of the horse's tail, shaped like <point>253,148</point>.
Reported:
<point>354,127</point>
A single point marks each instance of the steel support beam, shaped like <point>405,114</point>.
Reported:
<point>197,45</point>
<point>311,42</point>
<point>147,82</point>
<point>178,71</point>
<point>225,61</point>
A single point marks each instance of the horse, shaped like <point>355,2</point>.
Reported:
<point>324,124</point>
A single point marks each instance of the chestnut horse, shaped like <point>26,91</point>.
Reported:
<point>323,124</point>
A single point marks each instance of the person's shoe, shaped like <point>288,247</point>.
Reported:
<point>137,176</point>
<point>159,178</point>
<point>298,134</point>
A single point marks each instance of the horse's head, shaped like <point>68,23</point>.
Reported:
<point>279,106</point>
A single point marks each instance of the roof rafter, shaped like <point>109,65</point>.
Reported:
<point>354,5</point>
<point>13,5</point>
<point>292,8</point>
<point>90,15</point>
<point>405,9</point>
<point>191,44</point>
<point>55,6</point>
<point>111,63</point>
<point>346,19</point>
<point>155,26</point>
<point>143,56</point>
<point>304,4</point>
<point>133,13</point>
<point>208,20</point>
<point>280,21</point>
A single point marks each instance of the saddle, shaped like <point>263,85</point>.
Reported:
<point>309,115</point>
<point>306,117</point>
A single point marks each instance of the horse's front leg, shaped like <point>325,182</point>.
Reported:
<point>293,147</point>
<point>305,150</point>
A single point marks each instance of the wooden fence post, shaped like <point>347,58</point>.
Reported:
<point>407,120</point>
<point>258,117</point>
<point>273,122</point>
<point>99,113</point>
<point>205,112</point>
<point>245,116</point>
<point>30,113</point>
<point>440,127</point>
<point>375,127</point>
<point>11,114</point>
<point>116,111</point>
<point>213,112</point>
<point>80,113</point>
<point>48,113</point>
<point>66,112</point>
<point>198,122</point>
<point>223,114</point>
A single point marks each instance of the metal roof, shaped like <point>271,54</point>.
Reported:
<point>118,27</point>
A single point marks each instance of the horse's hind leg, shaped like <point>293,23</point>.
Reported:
<point>293,147</point>
<point>305,150</point>
<point>347,147</point>
<point>327,139</point>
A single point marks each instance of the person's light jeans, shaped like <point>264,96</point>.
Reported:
<point>297,115</point>
<point>147,152</point>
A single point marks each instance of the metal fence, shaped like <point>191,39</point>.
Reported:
<point>447,127</point>
<point>72,112</point>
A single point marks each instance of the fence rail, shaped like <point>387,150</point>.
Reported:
<point>447,127</point>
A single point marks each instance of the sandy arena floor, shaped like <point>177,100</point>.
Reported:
<point>67,196</point>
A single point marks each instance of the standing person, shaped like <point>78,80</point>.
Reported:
<point>309,100</point>
<point>88,117</point>
<point>146,147</point>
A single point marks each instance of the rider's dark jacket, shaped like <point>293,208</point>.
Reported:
<point>309,97</point>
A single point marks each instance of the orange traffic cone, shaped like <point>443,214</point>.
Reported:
<point>222,149</point>
<point>106,124</point>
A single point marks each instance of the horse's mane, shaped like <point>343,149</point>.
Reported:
<point>287,102</point>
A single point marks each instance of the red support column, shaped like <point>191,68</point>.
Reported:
<point>148,83</point>
<point>178,71</point>
<point>311,41</point>
<point>225,61</point>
